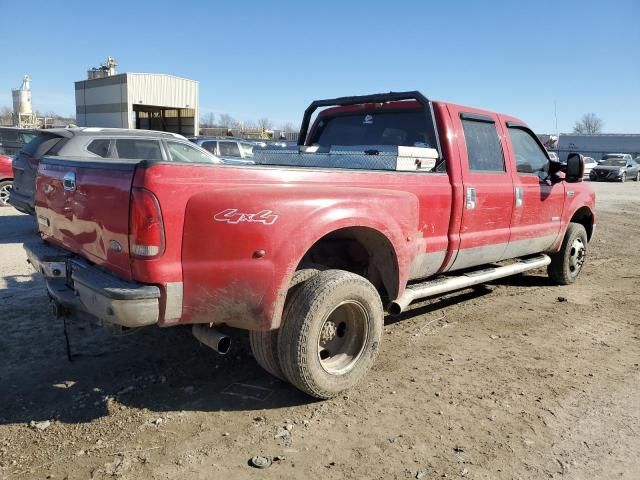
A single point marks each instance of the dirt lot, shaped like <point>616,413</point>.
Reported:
<point>520,380</point>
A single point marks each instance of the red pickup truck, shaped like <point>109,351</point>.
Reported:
<point>387,198</point>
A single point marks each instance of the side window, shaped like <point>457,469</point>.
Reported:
<point>530,158</point>
<point>138,149</point>
<point>186,153</point>
<point>229,149</point>
<point>483,146</point>
<point>209,146</point>
<point>57,146</point>
<point>100,147</point>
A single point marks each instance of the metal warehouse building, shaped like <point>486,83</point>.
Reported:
<point>598,144</point>
<point>149,101</point>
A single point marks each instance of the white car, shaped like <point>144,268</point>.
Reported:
<point>589,163</point>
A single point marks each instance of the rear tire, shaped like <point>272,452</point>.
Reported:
<point>5,190</point>
<point>264,344</point>
<point>331,333</point>
<point>567,264</point>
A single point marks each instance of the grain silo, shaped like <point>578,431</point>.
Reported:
<point>23,115</point>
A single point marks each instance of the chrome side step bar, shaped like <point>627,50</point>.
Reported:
<point>469,279</point>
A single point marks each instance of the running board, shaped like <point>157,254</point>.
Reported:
<point>469,279</point>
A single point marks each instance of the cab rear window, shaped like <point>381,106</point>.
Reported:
<point>405,128</point>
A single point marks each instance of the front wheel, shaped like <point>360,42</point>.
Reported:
<point>331,333</point>
<point>623,178</point>
<point>566,264</point>
<point>638,176</point>
<point>5,191</point>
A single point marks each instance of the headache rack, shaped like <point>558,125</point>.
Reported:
<point>416,157</point>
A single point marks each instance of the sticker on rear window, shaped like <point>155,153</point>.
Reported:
<point>368,120</point>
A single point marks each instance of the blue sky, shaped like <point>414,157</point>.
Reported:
<point>256,59</point>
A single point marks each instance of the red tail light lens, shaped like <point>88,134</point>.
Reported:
<point>146,229</point>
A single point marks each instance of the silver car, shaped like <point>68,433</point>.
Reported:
<point>89,142</point>
<point>230,150</point>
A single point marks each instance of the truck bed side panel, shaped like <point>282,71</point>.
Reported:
<point>217,255</point>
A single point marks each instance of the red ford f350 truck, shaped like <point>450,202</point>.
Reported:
<point>387,198</point>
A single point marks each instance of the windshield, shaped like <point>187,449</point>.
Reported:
<point>611,155</point>
<point>401,127</point>
<point>613,162</point>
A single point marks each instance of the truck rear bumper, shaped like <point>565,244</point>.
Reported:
<point>82,288</point>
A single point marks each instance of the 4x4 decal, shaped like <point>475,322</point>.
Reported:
<point>231,215</point>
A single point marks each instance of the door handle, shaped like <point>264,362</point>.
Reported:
<point>519,197</point>
<point>470,198</point>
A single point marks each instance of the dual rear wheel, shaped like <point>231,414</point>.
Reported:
<point>330,333</point>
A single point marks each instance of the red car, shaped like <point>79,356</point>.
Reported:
<point>389,198</point>
<point>6,179</point>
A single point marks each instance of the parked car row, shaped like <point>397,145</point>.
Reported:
<point>230,150</point>
<point>617,167</point>
<point>97,143</point>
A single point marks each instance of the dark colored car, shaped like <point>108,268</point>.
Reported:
<point>12,139</point>
<point>616,168</point>
<point>97,143</point>
<point>6,179</point>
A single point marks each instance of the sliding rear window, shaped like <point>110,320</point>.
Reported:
<point>411,128</point>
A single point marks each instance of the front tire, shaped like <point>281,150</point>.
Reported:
<point>331,333</point>
<point>638,176</point>
<point>623,178</point>
<point>567,264</point>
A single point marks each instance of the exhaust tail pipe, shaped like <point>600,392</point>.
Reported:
<point>212,338</point>
<point>469,279</point>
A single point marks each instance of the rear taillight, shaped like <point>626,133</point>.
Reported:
<point>146,229</point>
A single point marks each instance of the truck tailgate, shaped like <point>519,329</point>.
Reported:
<point>83,207</point>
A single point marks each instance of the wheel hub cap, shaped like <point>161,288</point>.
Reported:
<point>342,337</point>
<point>576,256</point>
<point>328,332</point>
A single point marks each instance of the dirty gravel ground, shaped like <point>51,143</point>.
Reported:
<point>519,380</point>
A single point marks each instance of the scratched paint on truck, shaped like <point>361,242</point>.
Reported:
<point>86,219</point>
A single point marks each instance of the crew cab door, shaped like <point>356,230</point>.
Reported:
<point>488,188</point>
<point>537,215</point>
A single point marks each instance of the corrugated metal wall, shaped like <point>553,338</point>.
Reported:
<point>597,145</point>
<point>161,90</point>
